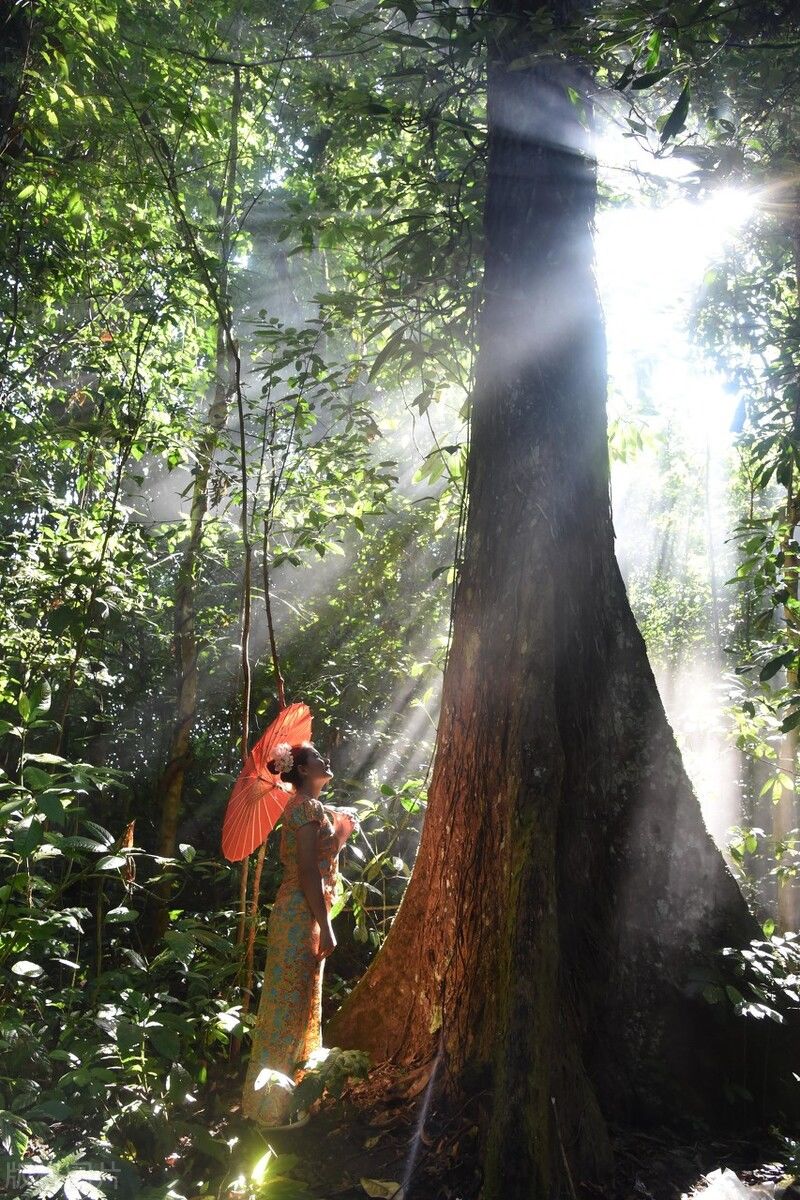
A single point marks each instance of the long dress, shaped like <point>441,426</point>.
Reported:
<point>288,1027</point>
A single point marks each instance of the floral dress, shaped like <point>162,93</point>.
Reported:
<point>288,1026</point>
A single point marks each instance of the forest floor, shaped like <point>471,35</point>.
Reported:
<point>373,1142</point>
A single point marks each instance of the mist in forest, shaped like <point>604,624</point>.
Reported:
<point>671,445</point>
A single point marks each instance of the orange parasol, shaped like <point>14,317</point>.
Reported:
<point>259,797</point>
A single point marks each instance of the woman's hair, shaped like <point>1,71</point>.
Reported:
<point>301,752</point>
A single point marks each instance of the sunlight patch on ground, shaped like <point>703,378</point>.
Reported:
<point>724,1184</point>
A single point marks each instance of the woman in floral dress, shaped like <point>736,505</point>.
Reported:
<point>288,1028</point>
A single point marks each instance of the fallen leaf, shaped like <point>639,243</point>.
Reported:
<point>384,1118</point>
<point>385,1189</point>
<point>421,1081</point>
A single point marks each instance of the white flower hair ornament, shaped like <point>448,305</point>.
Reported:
<point>283,758</point>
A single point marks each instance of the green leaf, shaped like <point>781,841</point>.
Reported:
<point>75,205</point>
<point>40,698</point>
<point>27,836</point>
<point>409,10</point>
<point>649,78</point>
<point>112,862</point>
<point>121,913</point>
<point>166,1041</point>
<point>35,779</point>
<point>775,664</point>
<point>677,118</point>
<point>654,46</point>
<point>182,945</point>
<point>50,804</point>
<point>791,721</point>
<point>393,347</point>
<point>77,842</point>
<point>103,836</point>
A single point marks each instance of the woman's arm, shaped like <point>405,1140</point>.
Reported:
<point>308,871</point>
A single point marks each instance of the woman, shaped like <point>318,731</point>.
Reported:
<point>300,937</point>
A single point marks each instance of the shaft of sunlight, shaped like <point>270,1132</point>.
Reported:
<point>671,500</point>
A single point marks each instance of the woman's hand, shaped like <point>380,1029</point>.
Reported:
<point>347,822</point>
<point>327,940</point>
<point>344,821</point>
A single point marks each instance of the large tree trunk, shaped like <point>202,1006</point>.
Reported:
<point>565,888</point>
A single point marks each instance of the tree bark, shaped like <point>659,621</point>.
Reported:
<point>15,50</point>
<point>565,890</point>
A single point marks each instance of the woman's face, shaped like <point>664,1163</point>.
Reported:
<point>316,767</point>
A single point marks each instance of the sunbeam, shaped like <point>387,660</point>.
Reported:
<point>651,265</point>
